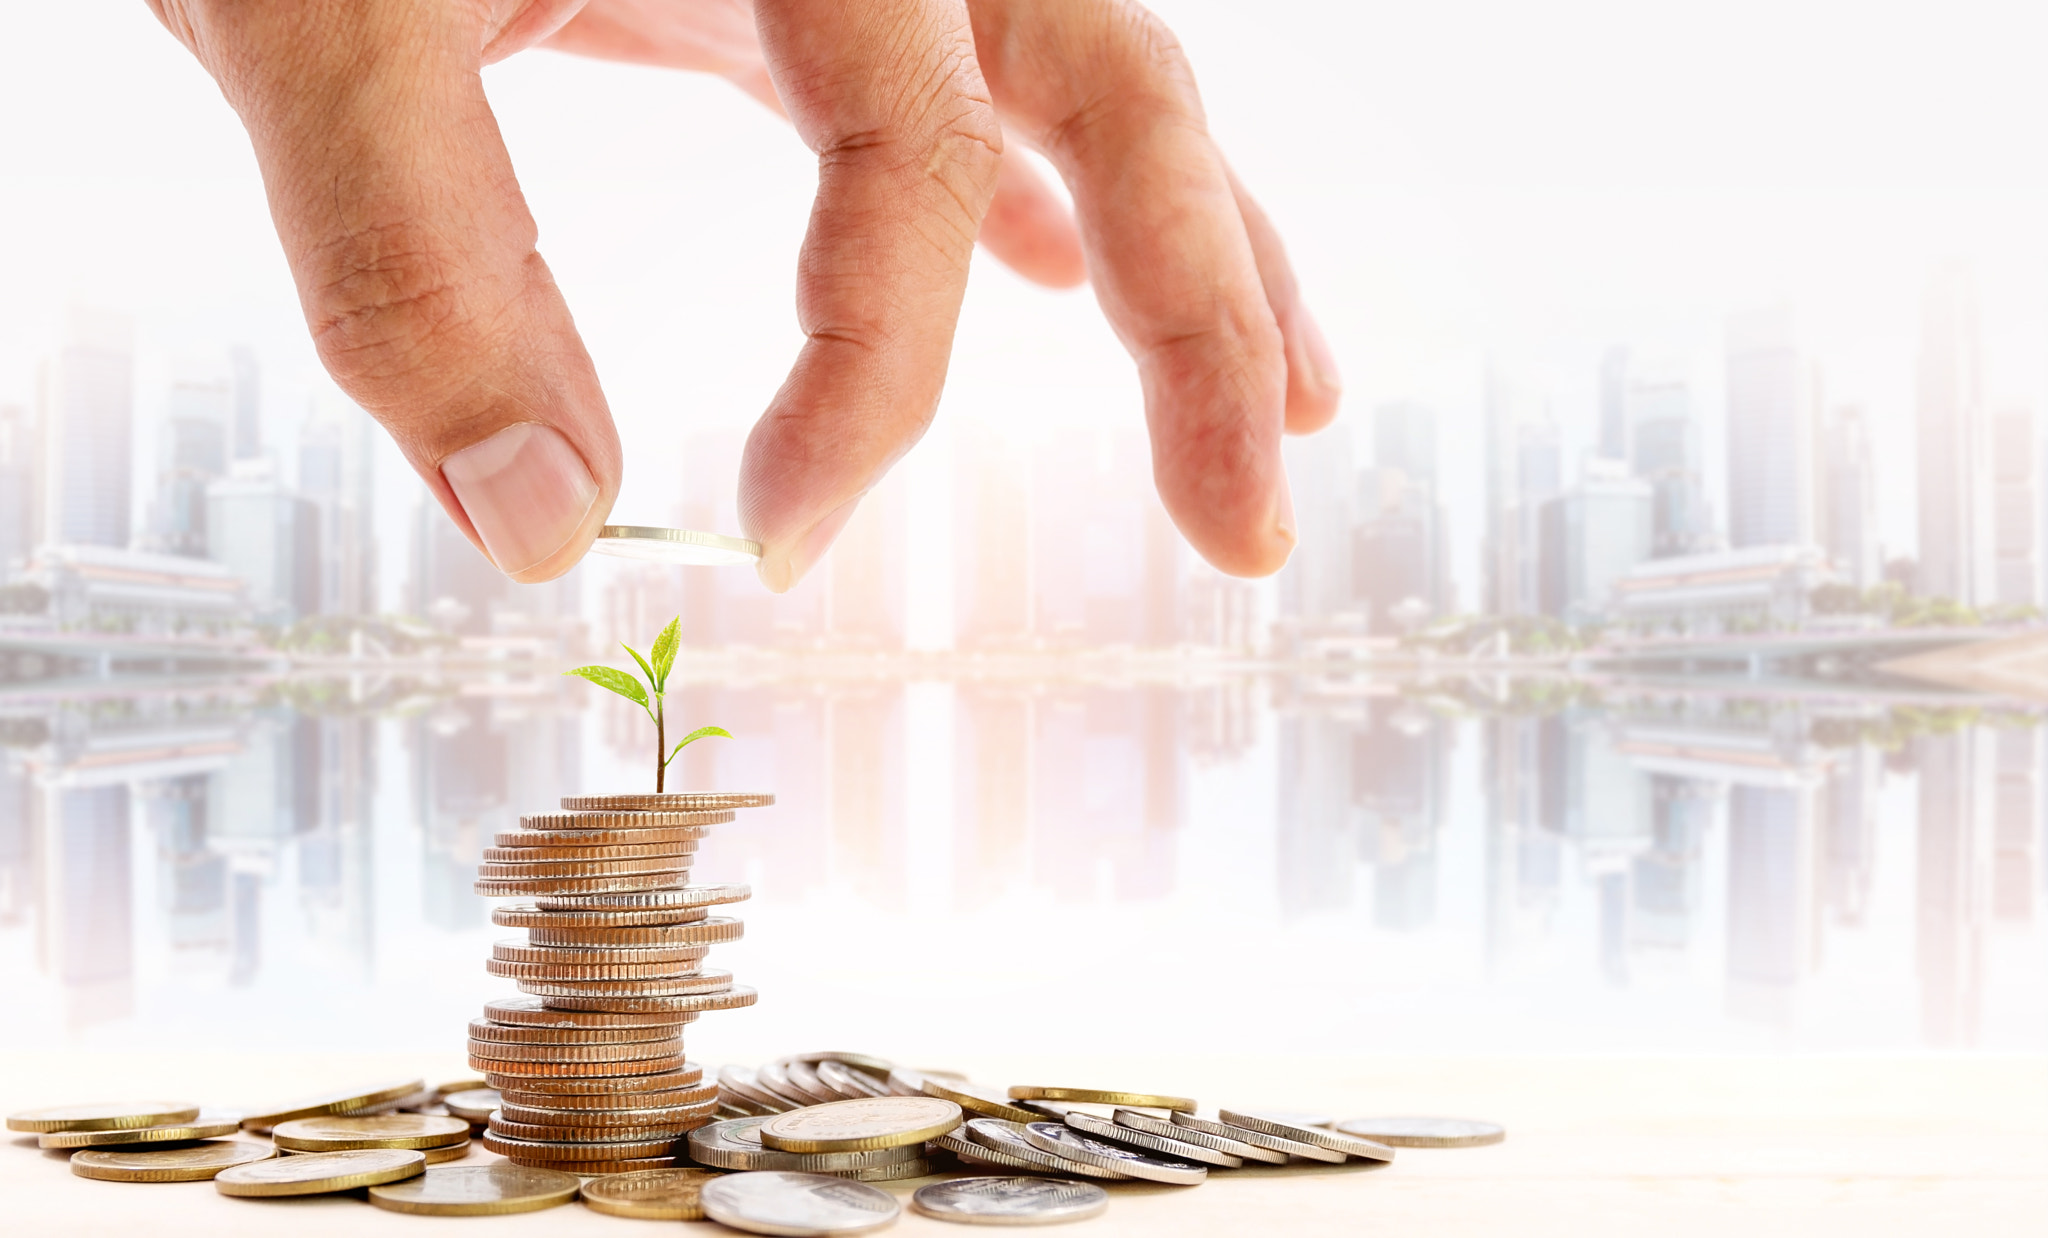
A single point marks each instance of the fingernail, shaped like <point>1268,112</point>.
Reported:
<point>525,489</point>
<point>781,572</point>
<point>1322,363</point>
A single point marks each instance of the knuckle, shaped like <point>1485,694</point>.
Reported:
<point>1138,71</point>
<point>383,302</point>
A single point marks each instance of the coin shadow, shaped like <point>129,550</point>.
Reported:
<point>49,1154</point>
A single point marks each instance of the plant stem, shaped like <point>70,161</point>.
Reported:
<point>660,745</point>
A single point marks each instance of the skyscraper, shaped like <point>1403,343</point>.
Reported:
<point>1772,390</point>
<point>1503,554</point>
<point>1404,437</point>
<point>270,538</point>
<point>1665,452</point>
<point>193,454</point>
<point>1317,582</point>
<point>247,423</point>
<point>88,425</point>
<point>1615,369</point>
<point>19,478</point>
<point>2016,507</point>
<point>335,475</point>
<point>1957,534</point>
<point>1848,508</point>
<point>1593,534</point>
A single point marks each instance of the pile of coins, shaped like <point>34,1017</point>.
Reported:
<point>824,1127</point>
<point>588,1063</point>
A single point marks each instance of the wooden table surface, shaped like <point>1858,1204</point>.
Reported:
<point>1666,1146</point>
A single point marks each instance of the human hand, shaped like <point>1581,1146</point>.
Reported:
<point>414,252</point>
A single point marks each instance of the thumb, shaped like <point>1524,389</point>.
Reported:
<point>415,260</point>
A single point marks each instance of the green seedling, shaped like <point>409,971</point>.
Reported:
<point>656,666</point>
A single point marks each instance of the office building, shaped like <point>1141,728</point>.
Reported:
<point>991,538</point>
<point>1764,588</point>
<point>336,476</point>
<point>1591,536</point>
<point>20,482</point>
<point>193,454</point>
<point>1105,562</point>
<point>1316,586</point>
<point>270,538</point>
<point>247,420</point>
<point>1848,507</point>
<point>1616,368</point>
<point>1958,538</point>
<point>1772,391</point>
<point>88,418</point>
<point>1503,545</point>
<point>1665,452</point>
<point>115,589</point>
<point>1401,549</point>
<point>2016,508</point>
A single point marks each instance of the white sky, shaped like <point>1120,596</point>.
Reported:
<point>1456,179</point>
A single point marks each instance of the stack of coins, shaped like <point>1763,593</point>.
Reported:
<point>588,1064</point>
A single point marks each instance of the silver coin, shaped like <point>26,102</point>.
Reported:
<point>1164,1145</point>
<point>1151,1124</point>
<point>846,1082</point>
<point>918,1168</point>
<point>1349,1145</point>
<point>797,1205</point>
<point>740,1081</point>
<point>1423,1132</point>
<point>904,1081</point>
<point>1259,1139</point>
<point>773,1080</point>
<point>687,896</point>
<point>980,1154</point>
<point>806,1082</point>
<point>678,547</point>
<point>1010,1201</point>
<point>1007,1137</point>
<point>1062,1140</point>
<point>736,1144</point>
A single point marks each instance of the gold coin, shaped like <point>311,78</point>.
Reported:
<point>975,1098</point>
<point>739,995</point>
<point>688,1075</point>
<point>318,1173</point>
<point>650,1194</point>
<point>670,1098</point>
<point>616,1115</point>
<point>477,1190</point>
<point>387,1130</point>
<point>677,1128</point>
<point>1095,1096</point>
<point>521,870</point>
<point>629,1051</point>
<point>500,1071</point>
<point>453,1152</point>
<point>649,969</point>
<point>183,1132</point>
<point>517,1034</point>
<point>861,1125</point>
<point>637,836</point>
<point>557,822</point>
<point>518,950</point>
<point>707,980</point>
<point>708,931</point>
<point>678,906</point>
<point>474,1105</point>
<point>533,853</point>
<point>622,883</point>
<point>670,802</point>
<point>563,1150</point>
<point>106,1117</point>
<point>533,1012</point>
<point>191,1164</point>
<point>346,1101</point>
<point>594,1168</point>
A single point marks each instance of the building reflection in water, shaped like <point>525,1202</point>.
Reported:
<point>1638,839</point>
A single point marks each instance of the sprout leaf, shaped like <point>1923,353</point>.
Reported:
<point>616,680</point>
<point>664,654</point>
<point>652,682</point>
<point>701,732</point>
